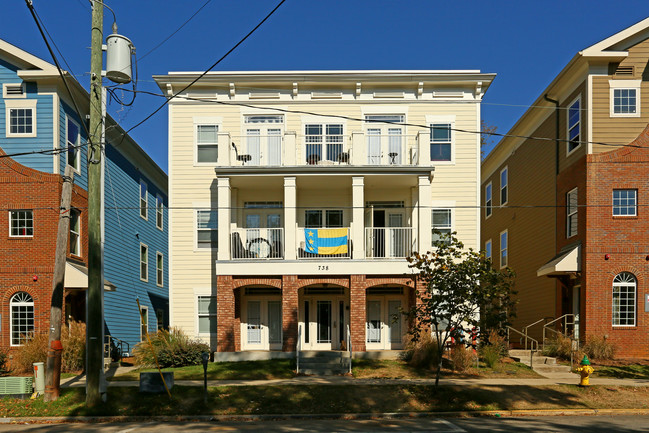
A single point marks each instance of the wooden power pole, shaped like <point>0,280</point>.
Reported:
<point>54,347</point>
<point>94,303</point>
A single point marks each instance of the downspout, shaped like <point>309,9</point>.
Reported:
<point>558,288</point>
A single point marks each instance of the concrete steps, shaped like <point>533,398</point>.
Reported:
<point>541,364</point>
<point>324,363</point>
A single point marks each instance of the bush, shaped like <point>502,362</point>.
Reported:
<point>34,350</point>
<point>172,348</point>
<point>462,358</point>
<point>4,367</point>
<point>599,348</point>
<point>422,353</point>
<point>558,347</point>
<point>494,349</point>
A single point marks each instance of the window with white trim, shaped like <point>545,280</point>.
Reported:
<point>72,142</point>
<point>75,232</point>
<point>504,244</point>
<point>323,142</point>
<point>574,125</point>
<point>313,218</point>
<point>144,322</point>
<point>144,199</point>
<point>159,267</point>
<point>207,233</point>
<point>624,299</point>
<point>207,143</point>
<point>21,322</point>
<point>504,180</point>
<point>159,208</point>
<point>144,262</point>
<point>21,122</point>
<point>571,213</point>
<point>21,223</point>
<point>440,142</point>
<point>488,200</point>
<point>487,249</point>
<point>625,96</point>
<point>442,225</point>
<point>625,202</point>
<point>206,315</point>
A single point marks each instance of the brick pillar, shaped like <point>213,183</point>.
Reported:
<point>357,304</point>
<point>225,319</point>
<point>289,312</point>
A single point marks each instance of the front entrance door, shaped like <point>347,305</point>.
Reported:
<point>382,332</point>
<point>262,327</point>
<point>323,322</point>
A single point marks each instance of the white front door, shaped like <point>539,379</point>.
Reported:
<point>323,322</point>
<point>262,327</point>
<point>382,332</point>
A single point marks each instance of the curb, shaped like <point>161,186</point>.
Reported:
<point>339,416</point>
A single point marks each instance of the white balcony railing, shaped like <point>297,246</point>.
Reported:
<point>324,150</point>
<point>389,242</point>
<point>316,244</point>
<point>257,244</point>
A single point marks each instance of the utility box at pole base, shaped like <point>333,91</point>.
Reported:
<point>39,377</point>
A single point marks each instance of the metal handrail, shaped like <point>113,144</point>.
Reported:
<point>565,327</point>
<point>527,337</point>
<point>119,343</point>
<point>297,348</point>
<point>349,341</point>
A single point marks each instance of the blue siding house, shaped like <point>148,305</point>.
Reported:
<point>37,115</point>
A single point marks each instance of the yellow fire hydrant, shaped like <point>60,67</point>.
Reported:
<point>585,371</point>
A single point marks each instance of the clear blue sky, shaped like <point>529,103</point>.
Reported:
<point>525,42</point>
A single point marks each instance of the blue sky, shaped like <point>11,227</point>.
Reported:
<point>525,42</point>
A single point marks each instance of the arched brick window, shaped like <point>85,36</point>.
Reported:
<point>22,318</point>
<point>624,299</point>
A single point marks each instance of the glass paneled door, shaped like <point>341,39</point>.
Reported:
<point>324,321</point>
<point>262,324</point>
<point>382,331</point>
<point>264,139</point>
<point>384,139</point>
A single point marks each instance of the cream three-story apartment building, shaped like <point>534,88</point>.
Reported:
<point>295,198</point>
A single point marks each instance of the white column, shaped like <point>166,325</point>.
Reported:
<point>358,218</point>
<point>424,202</point>
<point>224,141</point>
<point>290,148</point>
<point>224,202</point>
<point>290,218</point>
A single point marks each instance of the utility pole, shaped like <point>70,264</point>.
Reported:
<point>94,302</point>
<point>54,347</point>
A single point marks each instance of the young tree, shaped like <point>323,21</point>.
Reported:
<point>462,292</point>
<point>487,137</point>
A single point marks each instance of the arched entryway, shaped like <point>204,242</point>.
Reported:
<point>323,317</point>
<point>384,305</point>
<point>261,318</point>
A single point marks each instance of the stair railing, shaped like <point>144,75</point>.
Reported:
<point>298,346</point>
<point>565,321</point>
<point>349,344</point>
<point>534,344</point>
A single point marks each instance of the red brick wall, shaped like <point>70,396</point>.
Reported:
<point>624,239</point>
<point>28,259</point>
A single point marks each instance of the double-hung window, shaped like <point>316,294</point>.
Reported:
<point>144,262</point>
<point>159,208</point>
<point>488,200</point>
<point>440,142</point>
<point>144,322</point>
<point>73,151</point>
<point>625,202</point>
<point>207,314</point>
<point>571,213</point>
<point>75,232</point>
<point>624,299</point>
<point>144,199</point>
<point>207,229</point>
<point>442,225</point>
<point>21,322</point>
<point>324,142</point>
<point>574,125</point>
<point>159,267</point>
<point>504,180</point>
<point>333,218</point>
<point>21,223</point>
<point>504,245</point>
<point>207,143</point>
<point>487,249</point>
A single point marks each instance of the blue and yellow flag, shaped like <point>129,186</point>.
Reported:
<point>326,241</point>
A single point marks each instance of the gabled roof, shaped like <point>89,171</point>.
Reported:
<point>24,59</point>
<point>617,44</point>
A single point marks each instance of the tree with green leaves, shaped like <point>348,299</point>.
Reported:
<point>462,292</point>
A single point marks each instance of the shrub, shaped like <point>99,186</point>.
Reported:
<point>558,347</point>
<point>4,367</point>
<point>462,358</point>
<point>172,348</point>
<point>34,350</point>
<point>422,353</point>
<point>494,349</point>
<point>599,348</point>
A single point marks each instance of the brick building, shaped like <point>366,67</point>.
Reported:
<point>563,199</point>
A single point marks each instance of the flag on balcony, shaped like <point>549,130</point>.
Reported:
<point>326,241</point>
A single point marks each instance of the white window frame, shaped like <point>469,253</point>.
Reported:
<point>22,95</point>
<point>635,202</point>
<point>145,263</point>
<point>20,104</point>
<point>13,303</point>
<point>570,213</point>
<point>504,189</point>
<point>449,227</point>
<point>506,249</point>
<point>159,209</point>
<point>11,221</point>
<point>144,210</point>
<point>204,314</point>
<point>626,284</point>
<point>77,247</point>
<point>488,200</point>
<point>76,166</point>
<point>206,122</point>
<point>625,85</point>
<point>159,269</point>
<point>326,139</point>
<point>578,125</point>
<point>144,312</point>
<point>488,249</point>
<point>197,246</point>
<point>450,141</point>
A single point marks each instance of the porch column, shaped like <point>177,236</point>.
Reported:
<point>223,202</point>
<point>358,218</point>
<point>290,218</point>
<point>424,203</point>
<point>226,340</point>
<point>357,313</point>
<point>289,312</point>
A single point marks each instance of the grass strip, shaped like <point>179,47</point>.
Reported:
<point>318,399</point>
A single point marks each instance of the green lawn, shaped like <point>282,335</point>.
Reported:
<point>323,399</point>
<point>632,371</point>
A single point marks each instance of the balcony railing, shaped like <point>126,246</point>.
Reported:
<point>391,149</point>
<point>257,244</point>
<point>258,150</point>
<point>389,242</point>
<point>324,150</point>
<point>323,244</point>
